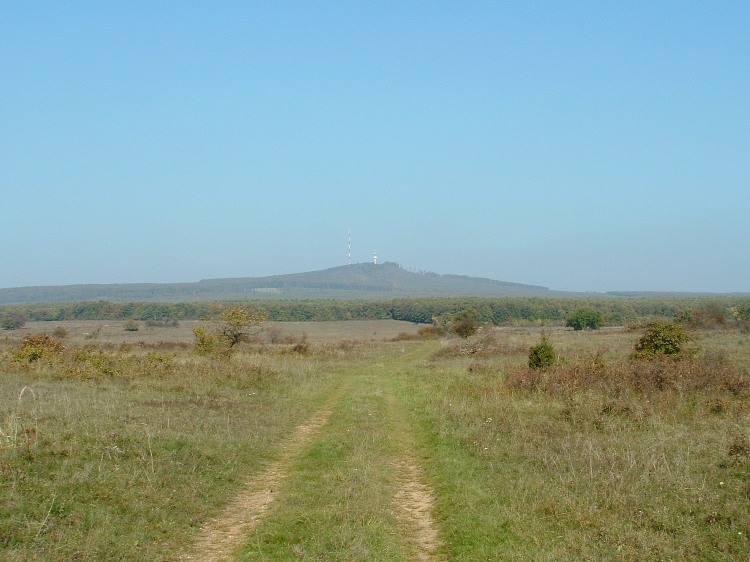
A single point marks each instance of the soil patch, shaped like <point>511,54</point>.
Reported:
<point>223,535</point>
<point>414,502</point>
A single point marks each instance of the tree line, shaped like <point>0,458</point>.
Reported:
<point>497,311</point>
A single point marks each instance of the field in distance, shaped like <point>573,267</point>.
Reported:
<point>91,331</point>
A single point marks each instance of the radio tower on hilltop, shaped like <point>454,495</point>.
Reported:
<point>375,257</point>
<point>350,246</point>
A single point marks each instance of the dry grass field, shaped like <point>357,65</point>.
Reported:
<point>113,332</point>
<point>371,443</point>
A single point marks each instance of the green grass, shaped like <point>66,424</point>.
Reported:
<point>338,503</point>
<point>145,460</point>
<point>125,453</point>
<point>524,476</point>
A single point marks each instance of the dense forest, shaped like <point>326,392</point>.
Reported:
<point>497,311</point>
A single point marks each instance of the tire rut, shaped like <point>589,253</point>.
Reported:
<point>220,537</point>
<point>413,502</point>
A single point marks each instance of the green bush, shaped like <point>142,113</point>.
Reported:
<point>206,342</point>
<point>661,338</point>
<point>542,355</point>
<point>465,323</point>
<point>741,312</point>
<point>584,318</point>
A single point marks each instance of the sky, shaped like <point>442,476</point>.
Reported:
<point>583,146</point>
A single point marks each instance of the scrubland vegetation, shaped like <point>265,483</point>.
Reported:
<point>603,451</point>
<point>601,456</point>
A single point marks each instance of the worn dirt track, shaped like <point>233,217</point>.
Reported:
<point>221,538</point>
<point>224,534</point>
<point>413,503</point>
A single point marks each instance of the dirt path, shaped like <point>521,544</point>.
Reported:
<point>413,500</point>
<point>413,503</point>
<point>224,534</point>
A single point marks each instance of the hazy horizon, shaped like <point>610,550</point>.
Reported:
<point>448,274</point>
<point>581,147</point>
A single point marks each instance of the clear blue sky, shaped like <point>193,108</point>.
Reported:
<point>586,146</point>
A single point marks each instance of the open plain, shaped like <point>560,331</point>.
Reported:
<point>366,441</point>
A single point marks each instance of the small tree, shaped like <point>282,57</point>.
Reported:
<point>465,323</point>
<point>239,324</point>
<point>542,355</point>
<point>233,326</point>
<point>584,318</point>
<point>661,338</point>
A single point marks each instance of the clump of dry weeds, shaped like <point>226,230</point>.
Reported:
<point>46,357</point>
<point>486,344</point>
<point>706,373</point>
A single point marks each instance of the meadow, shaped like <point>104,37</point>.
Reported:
<point>365,441</point>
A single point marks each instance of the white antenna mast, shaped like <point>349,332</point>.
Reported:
<point>350,246</point>
<point>375,257</point>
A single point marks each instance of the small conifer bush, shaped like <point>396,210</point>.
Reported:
<point>542,355</point>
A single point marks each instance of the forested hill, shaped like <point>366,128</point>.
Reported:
<point>356,281</point>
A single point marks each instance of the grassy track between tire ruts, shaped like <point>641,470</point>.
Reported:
<point>221,536</point>
<point>352,494</point>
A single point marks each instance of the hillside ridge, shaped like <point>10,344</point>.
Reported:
<point>363,280</point>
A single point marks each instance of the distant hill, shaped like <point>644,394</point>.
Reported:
<point>356,281</point>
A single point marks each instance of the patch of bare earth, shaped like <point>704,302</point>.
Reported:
<point>414,510</point>
<point>223,535</point>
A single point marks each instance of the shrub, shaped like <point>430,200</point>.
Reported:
<point>584,318</point>
<point>33,348</point>
<point>205,342</point>
<point>274,334</point>
<point>740,312</point>
<point>685,374</point>
<point>406,336</point>
<point>542,355</point>
<point>661,338</point>
<point>431,331</point>
<point>131,326</point>
<point>465,323</point>
<point>238,324</point>
<point>12,320</point>
<point>707,315</point>
<point>234,326</point>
